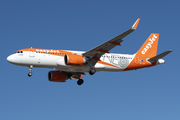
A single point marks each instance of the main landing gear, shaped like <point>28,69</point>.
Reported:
<point>80,81</point>
<point>92,71</point>
<point>30,71</point>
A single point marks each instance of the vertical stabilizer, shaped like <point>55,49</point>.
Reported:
<point>149,48</point>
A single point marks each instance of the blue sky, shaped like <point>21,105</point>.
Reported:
<point>145,94</point>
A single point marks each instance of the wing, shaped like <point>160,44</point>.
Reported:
<point>98,51</point>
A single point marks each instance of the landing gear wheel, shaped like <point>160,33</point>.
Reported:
<point>30,70</point>
<point>30,74</point>
<point>80,81</point>
<point>92,71</point>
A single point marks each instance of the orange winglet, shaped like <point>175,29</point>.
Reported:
<point>136,24</point>
<point>115,43</point>
<point>102,51</point>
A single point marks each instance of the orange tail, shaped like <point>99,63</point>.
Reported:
<point>149,48</point>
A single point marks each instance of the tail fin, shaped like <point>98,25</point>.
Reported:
<point>149,48</point>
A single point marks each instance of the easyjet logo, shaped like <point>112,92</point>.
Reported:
<point>43,50</point>
<point>149,45</point>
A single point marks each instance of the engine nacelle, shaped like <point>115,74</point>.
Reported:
<point>57,76</point>
<point>74,60</point>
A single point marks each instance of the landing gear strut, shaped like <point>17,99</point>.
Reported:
<point>92,69</point>
<point>80,81</point>
<point>30,71</point>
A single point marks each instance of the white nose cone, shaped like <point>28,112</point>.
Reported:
<point>10,59</point>
<point>14,59</point>
<point>160,61</point>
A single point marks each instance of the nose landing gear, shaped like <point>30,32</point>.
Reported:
<point>30,71</point>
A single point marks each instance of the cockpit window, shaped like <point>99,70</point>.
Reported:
<point>19,52</point>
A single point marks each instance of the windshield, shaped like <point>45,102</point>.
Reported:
<point>19,52</point>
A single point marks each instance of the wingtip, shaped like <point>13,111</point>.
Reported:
<point>169,51</point>
<point>136,24</point>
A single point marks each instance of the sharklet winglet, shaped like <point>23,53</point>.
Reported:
<point>136,24</point>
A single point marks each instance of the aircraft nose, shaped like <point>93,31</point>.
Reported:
<point>10,58</point>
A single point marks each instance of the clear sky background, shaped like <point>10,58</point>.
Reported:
<point>145,94</point>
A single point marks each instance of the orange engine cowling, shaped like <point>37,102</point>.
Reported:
<point>57,76</point>
<point>74,60</point>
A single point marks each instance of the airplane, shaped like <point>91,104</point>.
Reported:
<point>73,64</point>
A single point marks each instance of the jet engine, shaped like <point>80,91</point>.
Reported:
<point>57,76</point>
<point>74,60</point>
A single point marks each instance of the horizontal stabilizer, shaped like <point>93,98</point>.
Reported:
<point>159,56</point>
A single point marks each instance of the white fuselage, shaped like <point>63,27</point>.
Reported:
<point>109,62</point>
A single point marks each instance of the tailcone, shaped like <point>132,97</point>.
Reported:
<point>160,61</point>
